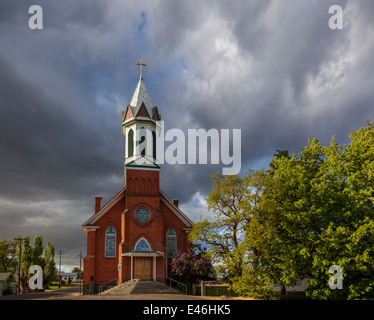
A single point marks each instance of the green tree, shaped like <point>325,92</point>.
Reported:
<point>37,252</point>
<point>257,278</point>
<point>224,235</point>
<point>236,202</point>
<point>290,218</point>
<point>36,255</point>
<point>297,219</point>
<point>49,264</point>
<point>318,212</point>
<point>76,270</point>
<point>347,238</point>
<point>26,262</point>
<point>8,255</point>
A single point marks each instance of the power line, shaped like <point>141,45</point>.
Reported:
<point>19,263</point>
<point>59,271</point>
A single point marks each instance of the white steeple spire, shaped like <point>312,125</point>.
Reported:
<point>141,95</point>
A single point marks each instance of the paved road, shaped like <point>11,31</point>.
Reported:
<point>130,297</point>
<point>58,294</point>
<point>72,293</point>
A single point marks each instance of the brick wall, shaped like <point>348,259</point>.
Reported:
<point>142,191</point>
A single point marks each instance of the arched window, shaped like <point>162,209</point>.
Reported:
<point>142,245</point>
<point>171,242</point>
<point>154,144</point>
<point>130,142</point>
<point>142,143</point>
<point>110,242</point>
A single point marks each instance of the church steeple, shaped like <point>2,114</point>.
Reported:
<point>139,125</point>
<point>141,95</point>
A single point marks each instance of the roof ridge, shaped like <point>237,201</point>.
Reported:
<point>111,202</point>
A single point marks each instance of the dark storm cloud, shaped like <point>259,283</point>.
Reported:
<point>44,148</point>
<point>270,68</point>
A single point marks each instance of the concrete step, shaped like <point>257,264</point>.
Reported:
<point>149,287</point>
<point>122,288</point>
<point>137,286</point>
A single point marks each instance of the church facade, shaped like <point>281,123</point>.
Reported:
<point>136,233</point>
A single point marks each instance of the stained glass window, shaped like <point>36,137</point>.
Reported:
<point>171,242</point>
<point>110,242</point>
<point>142,245</point>
<point>142,214</point>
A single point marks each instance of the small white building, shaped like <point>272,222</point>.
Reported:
<point>72,275</point>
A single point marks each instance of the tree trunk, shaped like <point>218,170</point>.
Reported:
<point>283,290</point>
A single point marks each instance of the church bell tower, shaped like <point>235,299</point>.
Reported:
<point>140,125</point>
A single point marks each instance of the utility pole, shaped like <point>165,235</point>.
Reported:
<point>59,271</point>
<point>80,272</point>
<point>19,263</point>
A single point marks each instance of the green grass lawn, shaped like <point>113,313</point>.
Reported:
<point>294,296</point>
<point>54,286</point>
<point>219,291</point>
<point>212,291</point>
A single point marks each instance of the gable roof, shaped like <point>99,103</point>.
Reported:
<point>90,222</point>
<point>142,112</point>
<point>6,276</point>
<point>155,115</point>
<point>178,212</point>
<point>105,208</point>
<point>128,114</point>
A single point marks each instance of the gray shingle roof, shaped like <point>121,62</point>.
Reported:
<point>6,276</point>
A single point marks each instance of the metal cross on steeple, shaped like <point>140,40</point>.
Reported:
<point>141,64</point>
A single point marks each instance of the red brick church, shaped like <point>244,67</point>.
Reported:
<point>135,234</point>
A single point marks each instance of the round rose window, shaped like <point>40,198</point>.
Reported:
<point>142,215</point>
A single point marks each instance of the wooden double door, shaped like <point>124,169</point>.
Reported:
<point>142,268</point>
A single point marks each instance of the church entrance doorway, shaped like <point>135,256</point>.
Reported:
<point>143,268</point>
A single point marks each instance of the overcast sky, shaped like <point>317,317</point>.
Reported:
<point>273,69</point>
